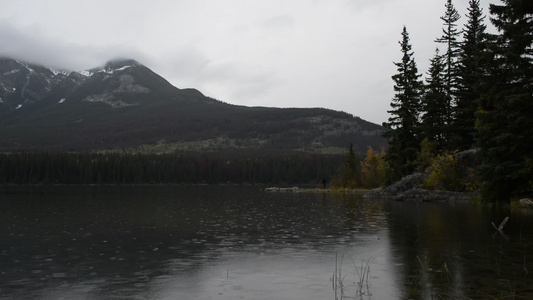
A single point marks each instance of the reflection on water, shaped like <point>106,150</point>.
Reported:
<point>449,252</point>
<point>241,243</point>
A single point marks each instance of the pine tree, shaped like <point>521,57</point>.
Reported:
<point>434,103</point>
<point>353,171</point>
<point>471,73</point>
<point>505,117</point>
<point>450,37</point>
<point>402,128</point>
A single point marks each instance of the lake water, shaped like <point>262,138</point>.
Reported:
<point>225,242</point>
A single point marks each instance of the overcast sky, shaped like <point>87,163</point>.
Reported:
<point>336,54</point>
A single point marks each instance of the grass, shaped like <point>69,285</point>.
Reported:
<point>413,287</point>
<point>425,274</point>
<point>362,286</point>
<point>428,283</point>
<point>338,279</point>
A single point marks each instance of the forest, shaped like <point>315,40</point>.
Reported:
<point>477,94</point>
<point>177,168</point>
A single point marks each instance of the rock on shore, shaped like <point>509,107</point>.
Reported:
<point>408,189</point>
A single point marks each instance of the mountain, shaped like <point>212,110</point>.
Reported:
<point>124,104</point>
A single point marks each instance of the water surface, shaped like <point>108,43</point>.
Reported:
<point>190,242</point>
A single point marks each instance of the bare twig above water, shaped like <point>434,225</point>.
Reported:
<point>502,224</point>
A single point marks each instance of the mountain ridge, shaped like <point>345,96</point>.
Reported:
<point>124,104</point>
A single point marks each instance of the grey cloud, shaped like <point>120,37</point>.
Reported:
<point>183,62</point>
<point>278,22</point>
<point>241,81</point>
<point>58,54</point>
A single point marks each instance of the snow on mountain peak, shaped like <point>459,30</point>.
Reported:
<point>112,70</point>
<point>112,67</point>
<point>119,63</point>
<point>11,72</point>
<point>28,67</point>
<point>57,72</point>
<point>86,73</point>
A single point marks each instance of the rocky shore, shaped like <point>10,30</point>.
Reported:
<point>408,189</point>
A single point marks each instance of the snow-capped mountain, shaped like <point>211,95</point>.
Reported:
<point>125,104</point>
<point>23,85</point>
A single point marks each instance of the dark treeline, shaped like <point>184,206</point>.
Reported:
<point>178,168</point>
<point>477,94</point>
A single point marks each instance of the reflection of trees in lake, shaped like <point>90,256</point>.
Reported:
<point>452,252</point>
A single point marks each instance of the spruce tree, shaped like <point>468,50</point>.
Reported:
<point>471,74</point>
<point>450,38</point>
<point>505,117</point>
<point>353,169</point>
<point>434,103</point>
<point>402,128</point>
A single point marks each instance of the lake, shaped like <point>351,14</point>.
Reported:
<point>238,242</point>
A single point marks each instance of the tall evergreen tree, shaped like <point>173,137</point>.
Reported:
<point>505,117</point>
<point>450,38</point>
<point>353,169</point>
<point>434,103</point>
<point>471,73</point>
<point>402,128</point>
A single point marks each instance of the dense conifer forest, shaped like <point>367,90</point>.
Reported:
<point>478,94</point>
<point>176,168</point>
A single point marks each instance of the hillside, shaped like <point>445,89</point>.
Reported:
<point>125,105</point>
